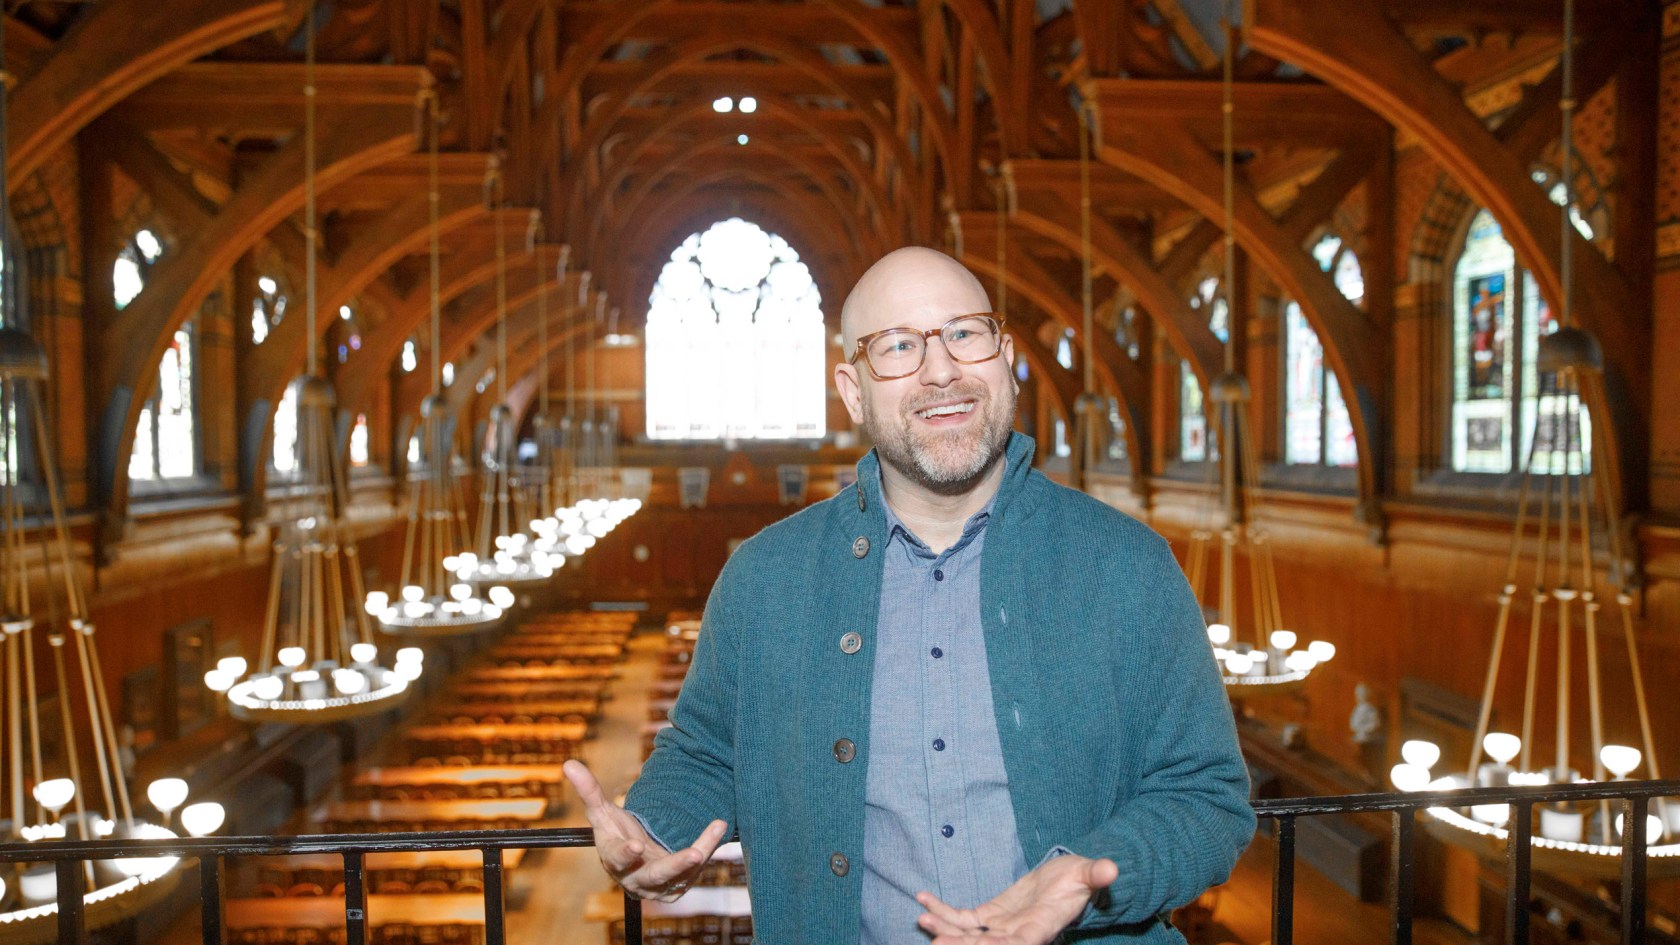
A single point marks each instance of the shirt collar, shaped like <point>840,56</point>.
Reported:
<point>897,530</point>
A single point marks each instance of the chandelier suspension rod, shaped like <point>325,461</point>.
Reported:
<point>433,248</point>
<point>310,228</point>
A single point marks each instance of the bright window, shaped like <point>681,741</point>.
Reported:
<point>268,307</point>
<point>359,441</point>
<point>285,432</point>
<point>1208,299</point>
<point>165,438</point>
<point>134,262</point>
<point>735,340</point>
<point>1498,392</point>
<point>1316,424</point>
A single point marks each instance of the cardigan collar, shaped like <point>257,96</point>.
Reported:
<point>1018,456</point>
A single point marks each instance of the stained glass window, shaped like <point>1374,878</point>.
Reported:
<point>1316,425</point>
<point>1498,392</point>
<point>165,437</point>
<point>735,340</point>
<point>268,307</point>
<point>285,433</point>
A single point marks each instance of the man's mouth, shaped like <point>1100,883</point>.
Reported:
<point>941,411</point>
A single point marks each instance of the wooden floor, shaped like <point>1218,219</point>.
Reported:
<point>546,893</point>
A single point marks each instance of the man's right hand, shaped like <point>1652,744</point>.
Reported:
<point>631,857</point>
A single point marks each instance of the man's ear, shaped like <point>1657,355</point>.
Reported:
<point>1009,357</point>
<point>851,391</point>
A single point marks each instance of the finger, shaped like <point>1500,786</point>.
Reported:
<point>660,872</point>
<point>583,781</point>
<point>621,857</point>
<point>956,918</point>
<point>934,925</point>
<point>707,843</point>
<point>1101,874</point>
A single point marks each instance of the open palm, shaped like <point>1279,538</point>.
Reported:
<point>1032,911</point>
<point>631,857</point>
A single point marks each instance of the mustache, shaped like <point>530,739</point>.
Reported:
<point>968,389</point>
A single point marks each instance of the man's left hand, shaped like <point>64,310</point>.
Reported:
<point>1031,912</point>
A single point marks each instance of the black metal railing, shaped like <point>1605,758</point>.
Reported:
<point>1633,799</point>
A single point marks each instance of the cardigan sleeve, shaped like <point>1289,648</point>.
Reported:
<point>1189,819</point>
<point>689,780</point>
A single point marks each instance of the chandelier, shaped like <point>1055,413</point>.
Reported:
<point>1574,494</point>
<point>1264,659</point>
<point>504,554</point>
<point>431,601</point>
<point>318,661</point>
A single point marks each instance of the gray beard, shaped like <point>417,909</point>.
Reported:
<point>948,464</point>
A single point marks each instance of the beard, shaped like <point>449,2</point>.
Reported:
<point>944,461</point>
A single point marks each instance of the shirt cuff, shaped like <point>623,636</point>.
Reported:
<point>650,832</point>
<point>1090,906</point>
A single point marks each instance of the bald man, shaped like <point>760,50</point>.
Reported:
<point>955,701</point>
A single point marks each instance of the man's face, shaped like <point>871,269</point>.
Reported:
<point>944,425</point>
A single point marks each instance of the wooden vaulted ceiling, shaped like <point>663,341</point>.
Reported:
<point>878,124</point>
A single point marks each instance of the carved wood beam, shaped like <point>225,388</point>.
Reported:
<point>128,348</point>
<point>115,48</point>
<point>997,69</point>
<point>1360,51</point>
<point>1299,113</point>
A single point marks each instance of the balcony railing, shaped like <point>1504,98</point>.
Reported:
<point>1633,800</point>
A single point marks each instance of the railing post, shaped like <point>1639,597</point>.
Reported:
<point>355,899</point>
<point>1283,883</point>
<point>1517,872</point>
<point>632,920</point>
<point>72,886</point>
<point>210,898</point>
<point>1634,812</point>
<point>495,931</point>
<point>1403,874</point>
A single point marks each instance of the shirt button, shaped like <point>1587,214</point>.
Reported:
<point>937,652</point>
<point>838,863</point>
<point>947,830</point>
<point>939,744</point>
<point>844,750</point>
<point>850,643</point>
<point>939,575</point>
<point>860,547</point>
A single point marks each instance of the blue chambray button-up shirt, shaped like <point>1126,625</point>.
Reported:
<point>937,813</point>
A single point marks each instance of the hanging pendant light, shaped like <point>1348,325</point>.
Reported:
<point>432,602</point>
<point>318,661</point>
<point>1262,660</point>
<point>502,558</point>
<point>1575,500</point>
<point>1090,408</point>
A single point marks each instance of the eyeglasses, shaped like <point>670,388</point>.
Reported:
<point>899,352</point>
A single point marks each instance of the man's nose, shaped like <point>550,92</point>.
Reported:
<point>938,368</point>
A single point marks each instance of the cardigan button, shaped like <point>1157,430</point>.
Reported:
<point>850,643</point>
<point>844,750</point>
<point>860,547</point>
<point>838,863</point>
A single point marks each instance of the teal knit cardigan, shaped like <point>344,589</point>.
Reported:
<point>1116,732</point>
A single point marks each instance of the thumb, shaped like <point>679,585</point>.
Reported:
<point>1100,874</point>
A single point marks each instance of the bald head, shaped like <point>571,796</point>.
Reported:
<point>905,283</point>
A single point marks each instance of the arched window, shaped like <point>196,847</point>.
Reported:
<point>1499,317</point>
<point>735,340</point>
<point>359,441</point>
<point>166,437</point>
<point>133,264</point>
<point>285,433</point>
<point>268,307</point>
<point>349,333</point>
<point>1064,349</point>
<point>1317,430</point>
<point>1208,299</point>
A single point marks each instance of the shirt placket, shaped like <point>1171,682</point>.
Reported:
<point>948,822</point>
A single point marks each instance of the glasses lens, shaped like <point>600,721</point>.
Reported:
<point>896,353</point>
<point>972,338</point>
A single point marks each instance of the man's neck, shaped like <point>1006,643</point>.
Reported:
<point>934,517</point>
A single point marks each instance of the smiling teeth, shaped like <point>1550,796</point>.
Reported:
<point>945,411</point>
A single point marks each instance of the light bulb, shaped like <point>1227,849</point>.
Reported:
<point>451,563</point>
<point>364,652</point>
<point>460,591</point>
<point>415,609</point>
<point>1219,634</point>
<point>1501,746</point>
<point>1653,827</point>
<point>54,794</point>
<point>1238,664</point>
<point>376,602</point>
<point>408,671</point>
<point>1300,661</point>
<point>203,818</point>
<point>1283,639</point>
<point>306,676</point>
<point>166,794</point>
<point>291,657</point>
<point>410,654</point>
<point>234,666</point>
<point>501,597</point>
<point>218,681</point>
<point>472,606</point>
<point>413,592</point>
<point>1420,753</point>
<point>1409,777</point>
<point>598,527</point>
<point>748,104</point>
<point>492,612</point>
<point>267,688</point>
<point>1322,650</point>
<point>1620,759</point>
<point>348,681</point>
